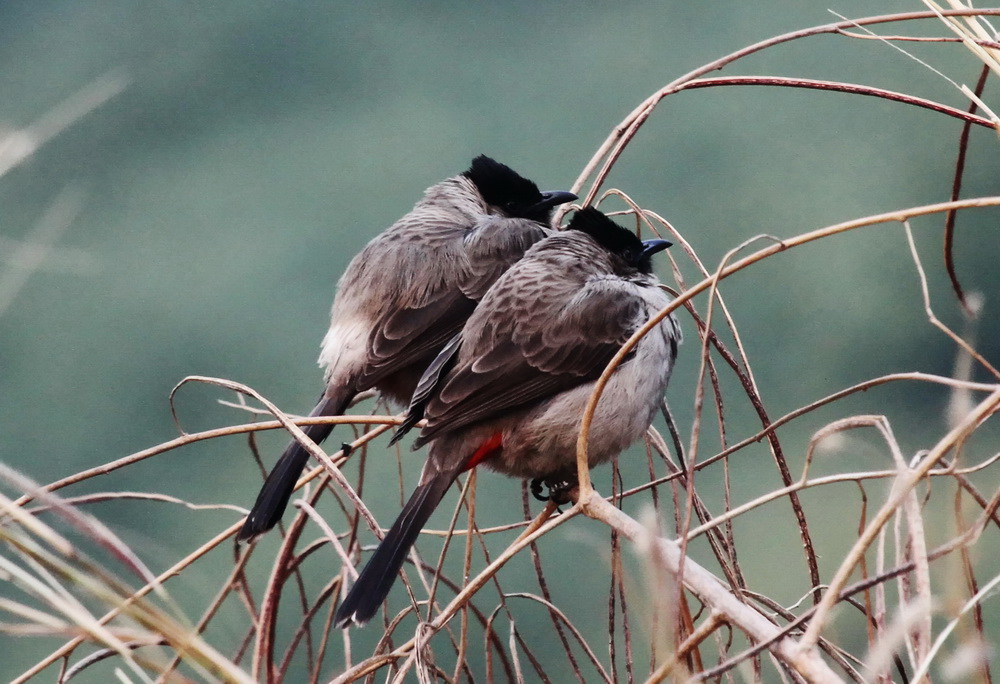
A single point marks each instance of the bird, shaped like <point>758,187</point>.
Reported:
<point>408,292</point>
<point>509,391</point>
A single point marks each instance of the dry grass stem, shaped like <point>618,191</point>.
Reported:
<point>892,587</point>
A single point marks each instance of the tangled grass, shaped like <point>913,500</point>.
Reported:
<point>898,596</point>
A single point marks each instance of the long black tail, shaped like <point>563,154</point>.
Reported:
<point>374,582</point>
<point>280,483</point>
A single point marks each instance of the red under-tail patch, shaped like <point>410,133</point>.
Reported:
<point>488,449</point>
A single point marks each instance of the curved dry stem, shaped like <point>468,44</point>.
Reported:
<point>622,134</point>
<point>565,621</point>
<point>838,87</point>
<point>715,595</point>
<point>722,605</point>
<point>162,578</point>
<point>905,483</point>
<point>542,524</point>
<point>933,319</point>
<point>987,591</point>
<point>384,424</point>
<point>727,271</point>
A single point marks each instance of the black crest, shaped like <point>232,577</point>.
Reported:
<point>502,186</point>
<point>616,239</point>
<point>607,233</point>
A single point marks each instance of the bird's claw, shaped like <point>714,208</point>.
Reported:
<point>536,490</point>
<point>559,489</point>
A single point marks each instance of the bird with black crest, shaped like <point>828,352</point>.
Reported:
<point>509,392</point>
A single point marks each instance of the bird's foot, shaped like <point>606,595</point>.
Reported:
<point>559,489</point>
<point>536,490</point>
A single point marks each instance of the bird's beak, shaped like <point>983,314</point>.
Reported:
<point>651,247</point>
<point>553,199</point>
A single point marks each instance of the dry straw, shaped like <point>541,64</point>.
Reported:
<point>890,605</point>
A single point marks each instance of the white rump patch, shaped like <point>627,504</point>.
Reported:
<point>343,346</point>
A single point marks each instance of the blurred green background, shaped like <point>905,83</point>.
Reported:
<point>259,145</point>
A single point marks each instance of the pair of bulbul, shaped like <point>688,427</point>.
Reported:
<point>494,328</point>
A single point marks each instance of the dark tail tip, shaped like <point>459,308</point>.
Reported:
<point>280,483</point>
<point>376,579</point>
<point>411,419</point>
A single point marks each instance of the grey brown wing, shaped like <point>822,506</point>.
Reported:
<point>408,335</point>
<point>472,261</point>
<point>493,246</point>
<point>528,352</point>
<point>429,381</point>
<point>425,306</point>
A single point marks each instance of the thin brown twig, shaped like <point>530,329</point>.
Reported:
<point>835,86</point>
<point>905,483</point>
<point>622,134</point>
<point>543,586</point>
<point>951,217</point>
<point>727,271</point>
